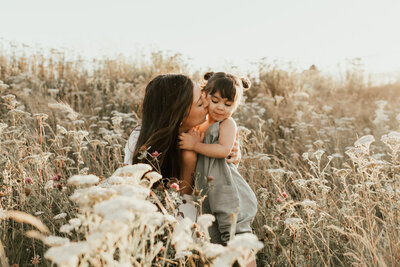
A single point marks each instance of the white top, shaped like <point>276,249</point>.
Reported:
<point>188,209</point>
<point>130,146</point>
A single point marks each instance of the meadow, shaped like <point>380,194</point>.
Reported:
<point>321,153</point>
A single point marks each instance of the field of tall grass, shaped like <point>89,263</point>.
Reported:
<point>322,155</point>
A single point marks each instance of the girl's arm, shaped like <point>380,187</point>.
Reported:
<point>227,134</point>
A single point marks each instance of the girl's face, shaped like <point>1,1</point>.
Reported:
<point>198,111</point>
<point>219,108</point>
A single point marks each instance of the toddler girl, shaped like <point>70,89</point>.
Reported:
<point>227,192</point>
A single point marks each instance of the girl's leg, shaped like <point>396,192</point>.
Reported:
<point>189,164</point>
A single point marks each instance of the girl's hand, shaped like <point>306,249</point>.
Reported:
<point>235,155</point>
<point>189,140</point>
<point>195,132</point>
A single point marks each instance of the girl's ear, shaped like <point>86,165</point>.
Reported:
<point>245,83</point>
<point>208,75</point>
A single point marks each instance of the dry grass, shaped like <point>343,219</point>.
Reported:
<point>322,200</point>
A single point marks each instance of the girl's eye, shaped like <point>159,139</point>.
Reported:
<point>228,105</point>
<point>214,101</point>
<point>201,103</point>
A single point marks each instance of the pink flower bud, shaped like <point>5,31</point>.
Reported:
<point>28,180</point>
<point>210,178</point>
<point>278,199</point>
<point>175,186</point>
<point>54,178</point>
<point>284,195</point>
<point>155,154</point>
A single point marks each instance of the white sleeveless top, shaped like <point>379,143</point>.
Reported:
<point>131,145</point>
<point>188,209</point>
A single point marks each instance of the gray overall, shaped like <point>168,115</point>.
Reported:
<point>227,192</point>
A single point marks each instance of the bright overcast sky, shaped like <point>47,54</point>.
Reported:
<point>214,32</point>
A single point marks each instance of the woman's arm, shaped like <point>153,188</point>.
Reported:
<point>227,134</point>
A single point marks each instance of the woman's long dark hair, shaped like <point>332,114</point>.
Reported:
<point>167,101</point>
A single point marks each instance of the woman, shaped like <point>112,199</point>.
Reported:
<point>172,104</point>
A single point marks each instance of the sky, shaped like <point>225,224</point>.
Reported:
<point>215,33</point>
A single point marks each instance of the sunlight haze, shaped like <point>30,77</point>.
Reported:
<point>214,33</point>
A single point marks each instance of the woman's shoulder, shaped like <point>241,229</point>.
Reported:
<point>131,144</point>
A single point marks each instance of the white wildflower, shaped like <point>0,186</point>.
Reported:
<point>154,219</point>
<point>41,116</point>
<point>278,99</point>
<point>75,222</point>
<point>169,218</point>
<point>355,153</point>
<point>392,140</point>
<point>149,179</point>
<point>2,127</point>
<point>301,95</point>
<point>308,203</point>
<point>300,182</point>
<point>54,241</point>
<point>246,241</point>
<point>213,250</point>
<point>326,108</point>
<point>132,191</point>
<point>381,103</point>
<point>61,129</point>
<point>67,255</point>
<point>83,180</point>
<point>205,221</point>
<point>66,228</point>
<point>318,154</point>
<point>182,235</point>
<point>112,206</point>
<point>243,131</point>
<point>91,195</point>
<point>65,108</point>
<point>60,216</point>
<point>364,141</point>
<point>324,188</point>
<point>319,143</point>
<point>2,214</point>
<point>96,239</point>
<point>38,213</point>
<point>49,184</point>
<point>293,221</point>
<point>133,173</point>
<point>337,155</point>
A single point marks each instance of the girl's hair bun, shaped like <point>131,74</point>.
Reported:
<point>208,75</point>
<point>245,83</point>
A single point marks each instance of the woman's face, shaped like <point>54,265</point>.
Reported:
<point>198,111</point>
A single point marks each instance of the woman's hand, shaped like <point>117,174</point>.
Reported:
<point>235,155</point>
<point>189,139</point>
